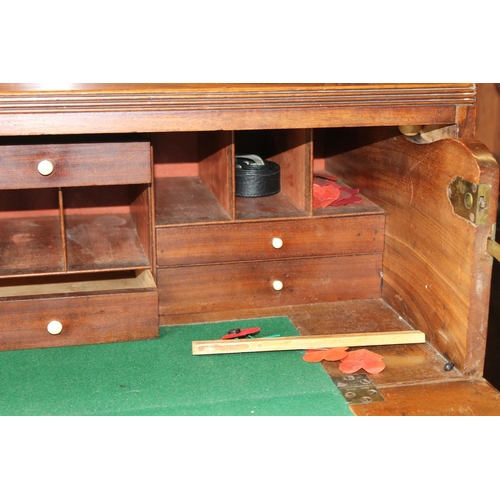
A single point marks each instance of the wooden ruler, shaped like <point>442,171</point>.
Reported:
<point>307,342</point>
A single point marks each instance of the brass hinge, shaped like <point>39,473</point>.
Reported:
<point>357,389</point>
<point>469,200</point>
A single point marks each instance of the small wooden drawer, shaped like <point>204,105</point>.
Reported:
<point>85,164</point>
<point>89,311</point>
<point>247,285</point>
<point>235,242</point>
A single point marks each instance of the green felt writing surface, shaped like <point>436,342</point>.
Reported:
<point>162,377</point>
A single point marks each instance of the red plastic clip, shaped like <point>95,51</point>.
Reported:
<point>237,333</point>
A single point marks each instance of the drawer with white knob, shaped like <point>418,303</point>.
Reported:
<point>236,242</point>
<point>248,285</point>
<point>75,164</point>
<point>93,309</point>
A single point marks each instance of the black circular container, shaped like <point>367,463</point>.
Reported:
<point>256,177</point>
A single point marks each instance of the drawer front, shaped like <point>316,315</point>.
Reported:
<point>91,319</point>
<point>248,285</point>
<point>234,242</point>
<point>63,165</point>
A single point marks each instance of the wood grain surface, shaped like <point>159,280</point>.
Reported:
<point>90,164</point>
<point>31,109</point>
<point>194,289</point>
<point>466,397</point>
<point>92,314</point>
<point>233,242</point>
<point>436,265</point>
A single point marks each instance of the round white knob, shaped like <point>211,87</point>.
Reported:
<point>278,285</point>
<point>277,242</point>
<point>45,167</point>
<point>54,327</point>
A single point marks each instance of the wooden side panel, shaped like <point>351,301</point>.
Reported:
<point>194,289</point>
<point>140,211</point>
<point>436,270</point>
<point>295,163</point>
<point>216,168</point>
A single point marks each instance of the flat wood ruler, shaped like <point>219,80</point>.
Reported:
<point>307,342</point>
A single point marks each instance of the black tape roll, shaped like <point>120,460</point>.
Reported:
<point>255,179</point>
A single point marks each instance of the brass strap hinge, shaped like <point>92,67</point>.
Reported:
<point>469,200</point>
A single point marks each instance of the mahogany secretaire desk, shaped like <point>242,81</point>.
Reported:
<point>118,214</point>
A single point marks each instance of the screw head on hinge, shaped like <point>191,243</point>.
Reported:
<point>449,366</point>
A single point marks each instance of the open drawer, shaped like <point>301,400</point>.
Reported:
<point>78,309</point>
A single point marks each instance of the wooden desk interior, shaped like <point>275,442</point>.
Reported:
<point>119,215</point>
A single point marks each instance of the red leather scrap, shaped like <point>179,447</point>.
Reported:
<point>350,362</point>
<point>314,355</point>
<point>317,355</point>
<point>336,353</point>
<point>362,359</point>
<point>347,196</point>
<point>327,191</point>
<point>325,194</point>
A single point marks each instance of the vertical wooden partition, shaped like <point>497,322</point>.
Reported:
<point>216,166</point>
<point>295,159</point>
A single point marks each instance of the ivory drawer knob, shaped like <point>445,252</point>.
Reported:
<point>277,242</point>
<point>45,167</point>
<point>278,285</point>
<point>54,327</point>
